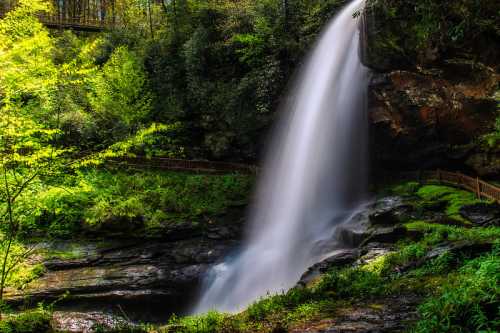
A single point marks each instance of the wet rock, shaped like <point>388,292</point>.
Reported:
<point>390,211</point>
<point>372,251</point>
<point>86,322</point>
<point>482,214</point>
<point>336,259</point>
<point>486,164</point>
<point>391,234</point>
<point>378,222</point>
<point>391,314</point>
<point>161,274</point>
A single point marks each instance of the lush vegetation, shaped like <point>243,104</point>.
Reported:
<point>129,203</point>
<point>430,32</point>
<point>203,80</point>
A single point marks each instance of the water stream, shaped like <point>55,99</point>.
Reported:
<point>314,176</point>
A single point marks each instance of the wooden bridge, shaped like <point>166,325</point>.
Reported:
<point>83,15</point>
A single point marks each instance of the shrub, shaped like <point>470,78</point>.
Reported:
<point>27,322</point>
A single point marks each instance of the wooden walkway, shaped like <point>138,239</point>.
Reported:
<point>482,189</point>
<point>82,15</point>
<point>185,165</point>
<point>75,23</point>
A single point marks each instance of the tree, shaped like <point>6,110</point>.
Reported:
<point>27,152</point>
<point>28,85</point>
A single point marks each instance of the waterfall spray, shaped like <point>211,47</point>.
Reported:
<point>314,176</point>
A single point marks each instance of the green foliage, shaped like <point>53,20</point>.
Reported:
<point>212,322</point>
<point>117,93</point>
<point>408,188</point>
<point>351,282</point>
<point>21,271</point>
<point>469,301</point>
<point>123,202</point>
<point>158,140</point>
<point>418,33</point>
<point>27,322</point>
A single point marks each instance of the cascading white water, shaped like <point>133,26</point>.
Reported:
<point>314,176</point>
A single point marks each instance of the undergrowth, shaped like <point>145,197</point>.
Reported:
<point>135,202</point>
<point>37,320</point>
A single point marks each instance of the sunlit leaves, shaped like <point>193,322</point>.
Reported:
<point>145,142</point>
<point>117,91</point>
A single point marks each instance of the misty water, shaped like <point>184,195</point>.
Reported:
<point>314,175</point>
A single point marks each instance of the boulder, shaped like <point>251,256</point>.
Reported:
<point>390,211</point>
<point>482,214</point>
<point>336,259</point>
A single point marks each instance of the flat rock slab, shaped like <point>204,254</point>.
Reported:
<point>391,314</point>
<point>85,322</point>
<point>107,278</point>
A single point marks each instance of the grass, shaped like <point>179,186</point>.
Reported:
<point>469,300</point>
<point>438,233</point>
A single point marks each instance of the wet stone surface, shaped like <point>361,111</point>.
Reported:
<point>147,280</point>
<point>391,314</point>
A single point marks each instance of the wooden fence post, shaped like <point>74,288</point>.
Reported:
<point>478,188</point>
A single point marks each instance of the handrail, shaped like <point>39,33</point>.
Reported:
<point>76,22</point>
<point>185,165</point>
<point>481,188</point>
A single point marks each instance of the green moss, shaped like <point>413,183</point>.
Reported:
<point>437,233</point>
<point>404,189</point>
<point>454,198</point>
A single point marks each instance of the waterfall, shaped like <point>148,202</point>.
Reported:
<point>314,177</point>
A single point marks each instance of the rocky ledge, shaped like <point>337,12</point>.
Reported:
<point>140,279</point>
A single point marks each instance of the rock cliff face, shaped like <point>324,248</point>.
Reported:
<point>434,90</point>
<point>144,279</point>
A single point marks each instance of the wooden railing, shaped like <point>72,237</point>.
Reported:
<point>185,165</point>
<point>482,189</point>
<point>76,23</point>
